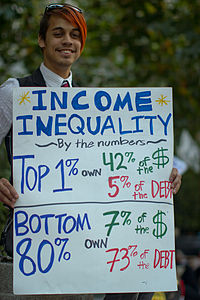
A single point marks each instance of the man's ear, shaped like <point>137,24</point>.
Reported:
<point>41,42</point>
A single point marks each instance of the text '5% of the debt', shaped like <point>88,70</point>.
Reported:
<point>161,189</point>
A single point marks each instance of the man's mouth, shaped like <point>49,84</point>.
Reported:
<point>66,51</point>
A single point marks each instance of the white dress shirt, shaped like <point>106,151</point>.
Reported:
<point>6,96</point>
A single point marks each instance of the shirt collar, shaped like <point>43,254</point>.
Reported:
<point>52,79</point>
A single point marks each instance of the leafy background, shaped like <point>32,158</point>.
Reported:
<point>130,43</point>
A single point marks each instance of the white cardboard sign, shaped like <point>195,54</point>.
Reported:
<point>95,213</point>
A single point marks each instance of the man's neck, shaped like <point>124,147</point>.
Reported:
<point>62,73</point>
<point>53,79</point>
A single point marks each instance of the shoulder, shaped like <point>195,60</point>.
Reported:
<point>11,82</point>
<point>35,79</point>
<point>6,90</point>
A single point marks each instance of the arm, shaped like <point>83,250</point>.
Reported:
<point>6,100</point>
<point>8,195</point>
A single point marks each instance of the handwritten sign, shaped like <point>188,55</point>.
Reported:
<point>95,213</point>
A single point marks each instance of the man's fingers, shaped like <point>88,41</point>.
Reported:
<point>175,178</point>
<point>173,174</point>
<point>8,194</point>
<point>5,200</point>
<point>7,188</point>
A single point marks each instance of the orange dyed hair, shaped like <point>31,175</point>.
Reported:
<point>73,16</point>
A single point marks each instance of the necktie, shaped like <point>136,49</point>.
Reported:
<point>65,83</point>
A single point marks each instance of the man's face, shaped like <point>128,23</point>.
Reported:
<point>61,46</point>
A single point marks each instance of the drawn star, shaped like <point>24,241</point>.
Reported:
<point>162,100</point>
<point>23,98</point>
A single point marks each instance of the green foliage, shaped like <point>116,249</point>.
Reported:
<point>130,43</point>
<point>19,27</point>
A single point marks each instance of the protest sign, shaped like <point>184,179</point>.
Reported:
<point>95,212</point>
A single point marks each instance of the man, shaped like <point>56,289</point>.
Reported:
<point>62,38</point>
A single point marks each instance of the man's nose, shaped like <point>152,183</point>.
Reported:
<point>67,39</point>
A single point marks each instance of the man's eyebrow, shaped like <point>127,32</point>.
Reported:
<point>57,28</point>
<point>61,28</point>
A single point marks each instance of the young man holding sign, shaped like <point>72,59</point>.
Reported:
<point>62,38</point>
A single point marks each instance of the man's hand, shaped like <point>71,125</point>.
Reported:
<point>8,194</point>
<point>175,178</point>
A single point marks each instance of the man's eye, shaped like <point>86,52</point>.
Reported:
<point>76,35</point>
<point>57,34</point>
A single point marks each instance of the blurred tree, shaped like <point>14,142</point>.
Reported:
<point>19,27</point>
<point>130,43</point>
